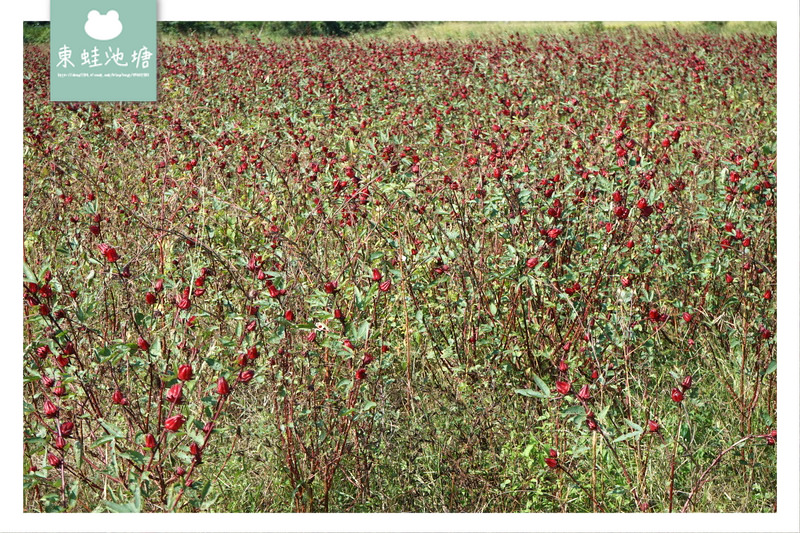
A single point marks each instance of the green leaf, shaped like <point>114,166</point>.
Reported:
<point>772,367</point>
<point>530,393</point>
<point>542,385</point>
<point>368,405</point>
<point>627,436</point>
<point>113,430</point>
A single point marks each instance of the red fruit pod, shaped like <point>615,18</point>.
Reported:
<point>252,353</point>
<point>687,317</point>
<point>149,441</point>
<point>532,262</point>
<point>361,373</point>
<point>246,375</point>
<point>385,286</point>
<point>185,372</point>
<point>59,443</point>
<point>222,386</point>
<point>687,383</point>
<point>289,315</point>
<point>376,275</point>
<point>54,460</point>
<point>553,453</point>
<point>330,287</point>
<point>551,462</point>
<point>338,314</point>
<point>677,395</point>
<point>150,298</point>
<point>50,409</point>
<point>563,387</point>
<point>175,393</point>
<point>118,398</point>
<point>174,423</point>
<point>43,351</point>
<point>66,428</point>
<point>142,344</point>
<point>584,393</point>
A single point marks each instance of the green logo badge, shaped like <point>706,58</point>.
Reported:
<point>103,50</point>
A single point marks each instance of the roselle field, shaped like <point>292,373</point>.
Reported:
<point>519,273</point>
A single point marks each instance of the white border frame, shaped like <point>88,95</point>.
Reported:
<point>786,519</point>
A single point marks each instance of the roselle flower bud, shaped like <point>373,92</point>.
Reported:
<point>59,390</point>
<point>563,387</point>
<point>59,443</point>
<point>376,275</point>
<point>185,372</point>
<point>174,423</point>
<point>584,393</point>
<point>246,376</point>
<point>118,398</point>
<point>142,344</point>
<point>175,393</point>
<point>687,383</point>
<point>330,287</point>
<point>222,386</point>
<point>49,408</point>
<point>149,441</point>
<point>653,426</point>
<point>109,252</point>
<point>677,396</point>
<point>66,428</point>
<point>54,460</point>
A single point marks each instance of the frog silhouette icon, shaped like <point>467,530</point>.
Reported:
<point>103,27</point>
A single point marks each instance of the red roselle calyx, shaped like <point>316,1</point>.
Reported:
<point>67,428</point>
<point>246,376</point>
<point>185,372</point>
<point>376,275</point>
<point>584,393</point>
<point>552,458</point>
<point>563,387</point>
<point>50,410</point>
<point>175,393</point>
<point>118,398</point>
<point>54,460</point>
<point>687,383</point>
<point>174,423</point>
<point>109,252</point>
<point>149,441</point>
<point>222,386</point>
<point>143,344</point>
<point>653,426</point>
<point>677,396</point>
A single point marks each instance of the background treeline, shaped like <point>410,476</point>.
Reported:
<point>39,32</point>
